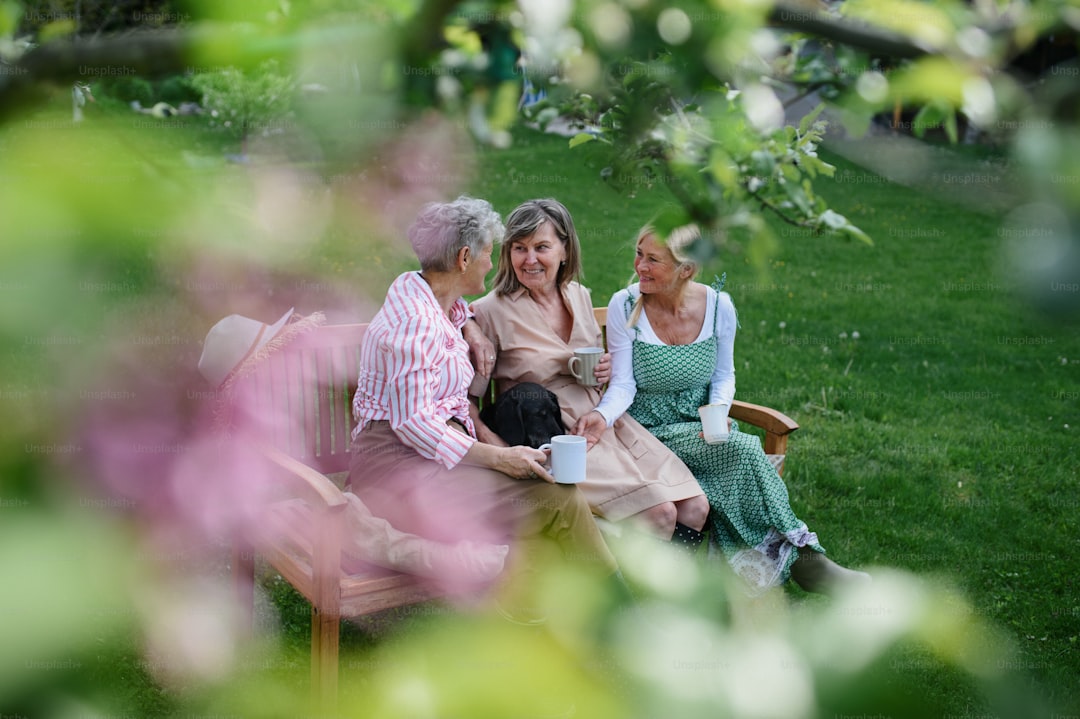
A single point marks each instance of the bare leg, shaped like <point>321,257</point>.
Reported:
<point>658,520</point>
<point>692,512</point>
<point>678,522</point>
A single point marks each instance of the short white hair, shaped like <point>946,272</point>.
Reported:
<point>441,229</point>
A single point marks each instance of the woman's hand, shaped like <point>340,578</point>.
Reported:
<point>702,433</point>
<point>481,350</point>
<point>486,435</point>
<point>603,369</point>
<point>591,426</point>
<point>519,462</point>
<point>523,462</point>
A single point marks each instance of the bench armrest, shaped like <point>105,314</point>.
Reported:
<point>776,424</point>
<point>312,486</point>
<point>328,504</point>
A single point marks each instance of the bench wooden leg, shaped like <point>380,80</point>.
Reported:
<point>324,660</point>
<point>776,444</point>
<point>243,573</point>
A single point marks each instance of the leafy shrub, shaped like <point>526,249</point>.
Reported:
<point>128,89</point>
<point>243,101</point>
<point>177,89</point>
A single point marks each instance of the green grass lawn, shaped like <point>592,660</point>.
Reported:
<point>942,440</point>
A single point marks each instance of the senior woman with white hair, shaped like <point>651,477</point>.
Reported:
<point>416,459</point>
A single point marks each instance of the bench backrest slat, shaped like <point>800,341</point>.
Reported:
<point>306,391</point>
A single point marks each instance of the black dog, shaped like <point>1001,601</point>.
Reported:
<point>525,414</point>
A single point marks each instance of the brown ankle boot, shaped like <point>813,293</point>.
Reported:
<point>815,572</point>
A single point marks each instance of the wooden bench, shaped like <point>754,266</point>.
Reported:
<point>299,535</point>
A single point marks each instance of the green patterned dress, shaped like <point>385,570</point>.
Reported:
<point>751,521</point>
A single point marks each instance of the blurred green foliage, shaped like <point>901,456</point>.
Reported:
<point>125,237</point>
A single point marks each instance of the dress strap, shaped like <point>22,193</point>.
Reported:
<point>630,299</point>
<point>718,285</point>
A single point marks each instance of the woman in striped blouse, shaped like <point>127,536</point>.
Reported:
<point>416,458</point>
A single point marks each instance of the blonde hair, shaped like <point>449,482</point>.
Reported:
<point>678,243</point>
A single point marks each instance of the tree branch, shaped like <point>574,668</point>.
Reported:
<point>878,42</point>
<point>773,208</point>
<point>423,37</point>
<point>168,51</point>
<point>153,53</point>
<point>424,32</point>
<point>804,91</point>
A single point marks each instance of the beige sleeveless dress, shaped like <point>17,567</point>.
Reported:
<point>628,470</point>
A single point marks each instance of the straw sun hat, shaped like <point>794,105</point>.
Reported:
<point>236,344</point>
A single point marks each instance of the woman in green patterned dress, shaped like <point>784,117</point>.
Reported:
<point>672,345</point>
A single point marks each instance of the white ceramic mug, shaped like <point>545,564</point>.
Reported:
<point>714,422</point>
<point>567,458</point>
<point>584,360</point>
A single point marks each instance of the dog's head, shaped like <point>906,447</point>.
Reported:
<point>528,414</point>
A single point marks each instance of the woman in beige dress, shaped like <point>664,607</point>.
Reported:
<point>536,315</point>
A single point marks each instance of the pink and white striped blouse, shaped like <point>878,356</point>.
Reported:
<point>415,371</point>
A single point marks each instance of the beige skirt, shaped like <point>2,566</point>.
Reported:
<point>628,470</point>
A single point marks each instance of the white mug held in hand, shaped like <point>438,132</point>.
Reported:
<point>714,423</point>
<point>583,365</point>
<point>567,458</point>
